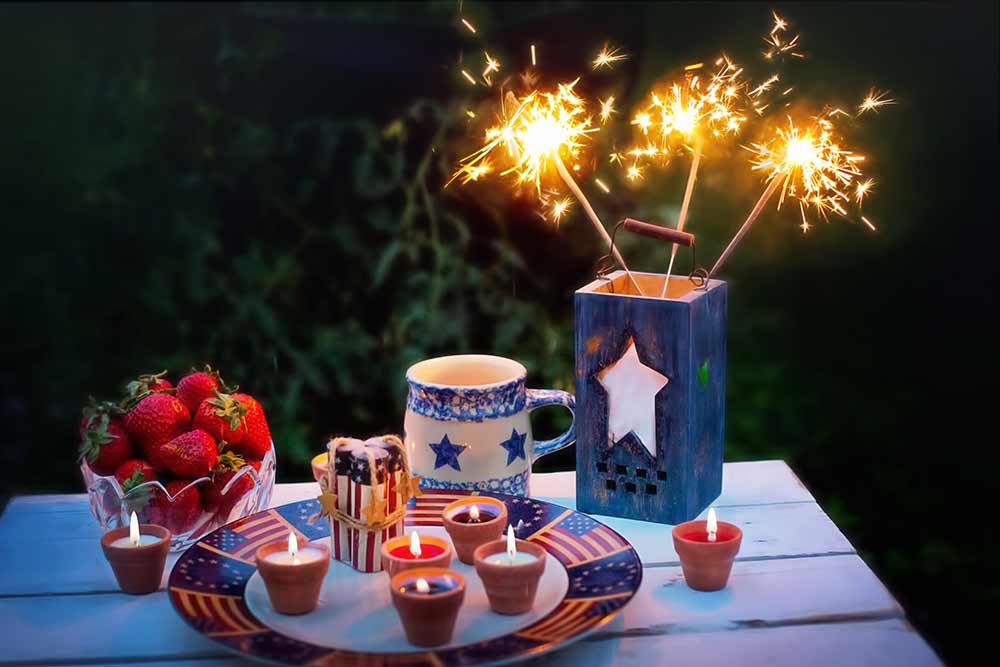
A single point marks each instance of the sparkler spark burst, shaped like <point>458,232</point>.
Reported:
<point>607,57</point>
<point>777,43</point>
<point>492,65</point>
<point>607,109</point>
<point>692,107</point>
<point>532,134</point>
<point>874,100</point>
<point>813,168</point>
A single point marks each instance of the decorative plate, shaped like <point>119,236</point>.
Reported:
<point>591,574</point>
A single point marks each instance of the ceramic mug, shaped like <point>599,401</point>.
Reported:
<point>467,424</point>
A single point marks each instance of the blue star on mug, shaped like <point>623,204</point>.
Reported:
<point>515,446</point>
<point>446,454</point>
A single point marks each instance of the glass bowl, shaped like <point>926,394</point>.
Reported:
<point>187,517</point>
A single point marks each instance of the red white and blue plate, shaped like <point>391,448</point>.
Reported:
<point>592,572</point>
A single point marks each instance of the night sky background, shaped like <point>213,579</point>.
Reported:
<point>261,186</point>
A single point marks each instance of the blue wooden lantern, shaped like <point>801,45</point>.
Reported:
<point>650,397</point>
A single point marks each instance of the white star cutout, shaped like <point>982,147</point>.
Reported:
<point>632,388</point>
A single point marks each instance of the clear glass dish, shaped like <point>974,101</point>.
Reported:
<point>187,521</point>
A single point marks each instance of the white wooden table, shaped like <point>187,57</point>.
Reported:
<point>799,593</point>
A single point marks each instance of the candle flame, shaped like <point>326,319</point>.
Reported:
<point>293,545</point>
<point>423,586</point>
<point>511,544</point>
<point>474,512</point>
<point>415,545</point>
<point>133,530</point>
<point>713,524</point>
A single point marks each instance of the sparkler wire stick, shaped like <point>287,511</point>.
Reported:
<point>578,193</point>
<point>692,175</point>
<point>772,187</point>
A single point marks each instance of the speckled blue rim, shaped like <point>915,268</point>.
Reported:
<point>449,402</point>
<point>208,584</point>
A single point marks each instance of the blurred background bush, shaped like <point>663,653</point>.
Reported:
<point>261,186</point>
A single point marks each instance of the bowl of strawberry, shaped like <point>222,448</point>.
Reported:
<point>191,457</point>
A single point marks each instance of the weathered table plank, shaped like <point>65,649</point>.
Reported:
<point>798,593</point>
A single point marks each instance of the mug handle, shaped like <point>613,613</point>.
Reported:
<point>539,397</point>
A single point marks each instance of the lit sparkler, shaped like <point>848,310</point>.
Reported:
<point>538,132</point>
<point>810,166</point>
<point>691,110</point>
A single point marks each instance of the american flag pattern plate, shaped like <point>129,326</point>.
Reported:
<point>208,583</point>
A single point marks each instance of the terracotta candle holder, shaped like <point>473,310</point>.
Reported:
<point>398,553</point>
<point>466,530</point>
<point>511,583</point>
<point>319,465</point>
<point>138,569</point>
<point>293,582</point>
<point>706,564</point>
<point>427,600</point>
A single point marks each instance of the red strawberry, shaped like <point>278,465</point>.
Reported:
<point>212,497</point>
<point>192,454</point>
<point>180,515</point>
<point>155,420</point>
<point>152,454</point>
<point>256,442</point>
<point>196,386</point>
<point>134,472</point>
<point>221,417</point>
<point>147,384</point>
<point>105,444</point>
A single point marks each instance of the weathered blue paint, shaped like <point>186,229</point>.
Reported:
<point>685,340</point>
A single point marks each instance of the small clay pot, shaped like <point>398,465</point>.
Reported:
<point>707,565</point>
<point>293,589</point>
<point>428,618</point>
<point>319,465</point>
<point>394,564</point>
<point>510,588</point>
<point>138,570</point>
<point>468,536</point>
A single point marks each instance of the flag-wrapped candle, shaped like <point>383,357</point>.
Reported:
<point>365,490</point>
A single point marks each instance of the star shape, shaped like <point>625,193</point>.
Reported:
<point>446,454</point>
<point>327,504</point>
<point>632,387</point>
<point>375,512</point>
<point>515,446</point>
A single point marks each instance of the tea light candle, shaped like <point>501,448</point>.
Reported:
<point>473,521</point>
<point>427,600</point>
<point>137,555</point>
<point>293,577</point>
<point>294,556</point>
<point>136,538</point>
<point>405,553</point>
<point>475,515</point>
<point>510,570</point>
<point>707,550</point>
<point>513,556</point>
